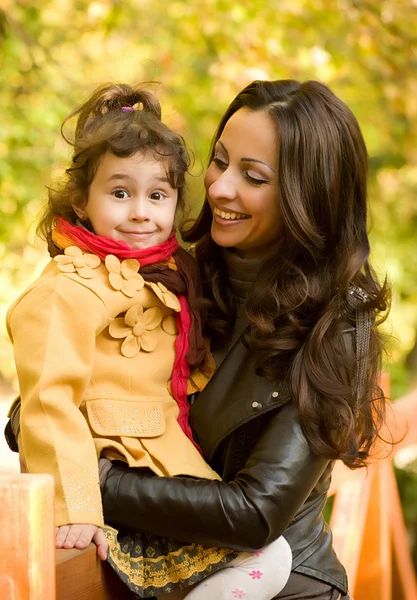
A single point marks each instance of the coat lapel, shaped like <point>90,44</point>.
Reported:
<point>234,395</point>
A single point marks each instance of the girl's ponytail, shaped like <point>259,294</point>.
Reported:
<point>113,97</point>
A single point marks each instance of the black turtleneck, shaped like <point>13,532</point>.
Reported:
<point>242,274</point>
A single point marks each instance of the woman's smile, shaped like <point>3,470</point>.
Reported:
<point>221,215</point>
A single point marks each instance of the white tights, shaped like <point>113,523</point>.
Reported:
<point>258,576</point>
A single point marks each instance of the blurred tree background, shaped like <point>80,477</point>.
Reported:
<point>53,53</point>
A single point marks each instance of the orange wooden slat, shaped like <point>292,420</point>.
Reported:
<point>27,547</point>
<point>6,588</point>
<point>404,420</point>
<point>341,475</point>
<point>348,521</point>
<point>404,576</point>
<point>374,575</point>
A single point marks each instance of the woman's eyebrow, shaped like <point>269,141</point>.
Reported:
<point>255,160</point>
<point>223,146</point>
<point>246,159</point>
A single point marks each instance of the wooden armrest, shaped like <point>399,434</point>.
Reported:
<point>27,568</point>
<point>81,575</point>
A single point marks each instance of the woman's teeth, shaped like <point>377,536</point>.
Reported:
<point>232,216</point>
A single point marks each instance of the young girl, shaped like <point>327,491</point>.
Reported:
<point>104,342</point>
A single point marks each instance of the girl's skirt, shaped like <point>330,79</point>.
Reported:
<point>151,565</point>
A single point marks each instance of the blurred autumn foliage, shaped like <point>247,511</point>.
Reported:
<point>53,53</point>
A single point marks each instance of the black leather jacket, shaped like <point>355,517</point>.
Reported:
<point>249,431</point>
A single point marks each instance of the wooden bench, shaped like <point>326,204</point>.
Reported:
<point>80,575</point>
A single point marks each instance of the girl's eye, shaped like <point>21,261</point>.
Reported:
<point>157,196</point>
<point>254,180</point>
<point>219,162</point>
<point>120,194</point>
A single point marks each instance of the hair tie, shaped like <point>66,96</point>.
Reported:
<point>127,108</point>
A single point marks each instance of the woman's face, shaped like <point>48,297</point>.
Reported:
<point>242,185</point>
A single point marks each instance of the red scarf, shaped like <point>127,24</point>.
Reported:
<point>101,245</point>
<point>182,282</point>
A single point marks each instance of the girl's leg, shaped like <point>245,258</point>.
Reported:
<point>258,576</point>
<point>174,596</point>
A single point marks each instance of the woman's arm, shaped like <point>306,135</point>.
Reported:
<point>245,514</point>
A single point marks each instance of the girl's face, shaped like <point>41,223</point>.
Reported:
<point>242,184</point>
<point>131,200</point>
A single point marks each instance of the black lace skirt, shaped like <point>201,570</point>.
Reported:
<point>151,565</point>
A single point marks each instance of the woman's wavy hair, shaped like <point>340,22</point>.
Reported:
<point>302,311</point>
<point>121,119</point>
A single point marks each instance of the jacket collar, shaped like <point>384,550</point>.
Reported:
<point>234,396</point>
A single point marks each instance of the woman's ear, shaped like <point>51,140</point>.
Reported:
<point>79,212</point>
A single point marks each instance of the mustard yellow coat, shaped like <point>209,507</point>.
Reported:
<point>94,352</point>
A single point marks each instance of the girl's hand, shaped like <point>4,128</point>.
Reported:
<point>79,536</point>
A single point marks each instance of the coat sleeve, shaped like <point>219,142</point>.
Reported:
<point>246,513</point>
<point>53,329</point>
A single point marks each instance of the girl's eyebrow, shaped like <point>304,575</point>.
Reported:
<point>245,159</point>
<point>118,176</point>
<point>128,177</point>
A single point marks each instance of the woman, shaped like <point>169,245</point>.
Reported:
<point>292,302</point>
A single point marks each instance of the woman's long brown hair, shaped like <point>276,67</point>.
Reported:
<point>302,312</point>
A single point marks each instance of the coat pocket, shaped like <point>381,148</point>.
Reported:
<point>125,418</point>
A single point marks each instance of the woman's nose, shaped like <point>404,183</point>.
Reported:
<point>222,186</point>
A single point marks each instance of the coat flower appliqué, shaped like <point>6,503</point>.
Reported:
<point>171,264</point>
<point>137,327</point>
<point>169,326</point>
<point>124,276</point>
<point>74,261</point>
<point>165,295</point>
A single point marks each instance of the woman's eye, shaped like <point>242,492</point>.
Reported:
<point>254,180</point>
<point>157,196</point>
<point>120,194</point>
<point>219,162</point>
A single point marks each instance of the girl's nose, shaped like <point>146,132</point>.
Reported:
<point>138,211</point>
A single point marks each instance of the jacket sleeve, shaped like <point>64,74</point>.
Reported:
<point>53,330</point>
<point>246,513</point>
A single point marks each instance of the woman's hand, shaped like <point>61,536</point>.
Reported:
<point>104,466</point>
<point>79,536</point>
